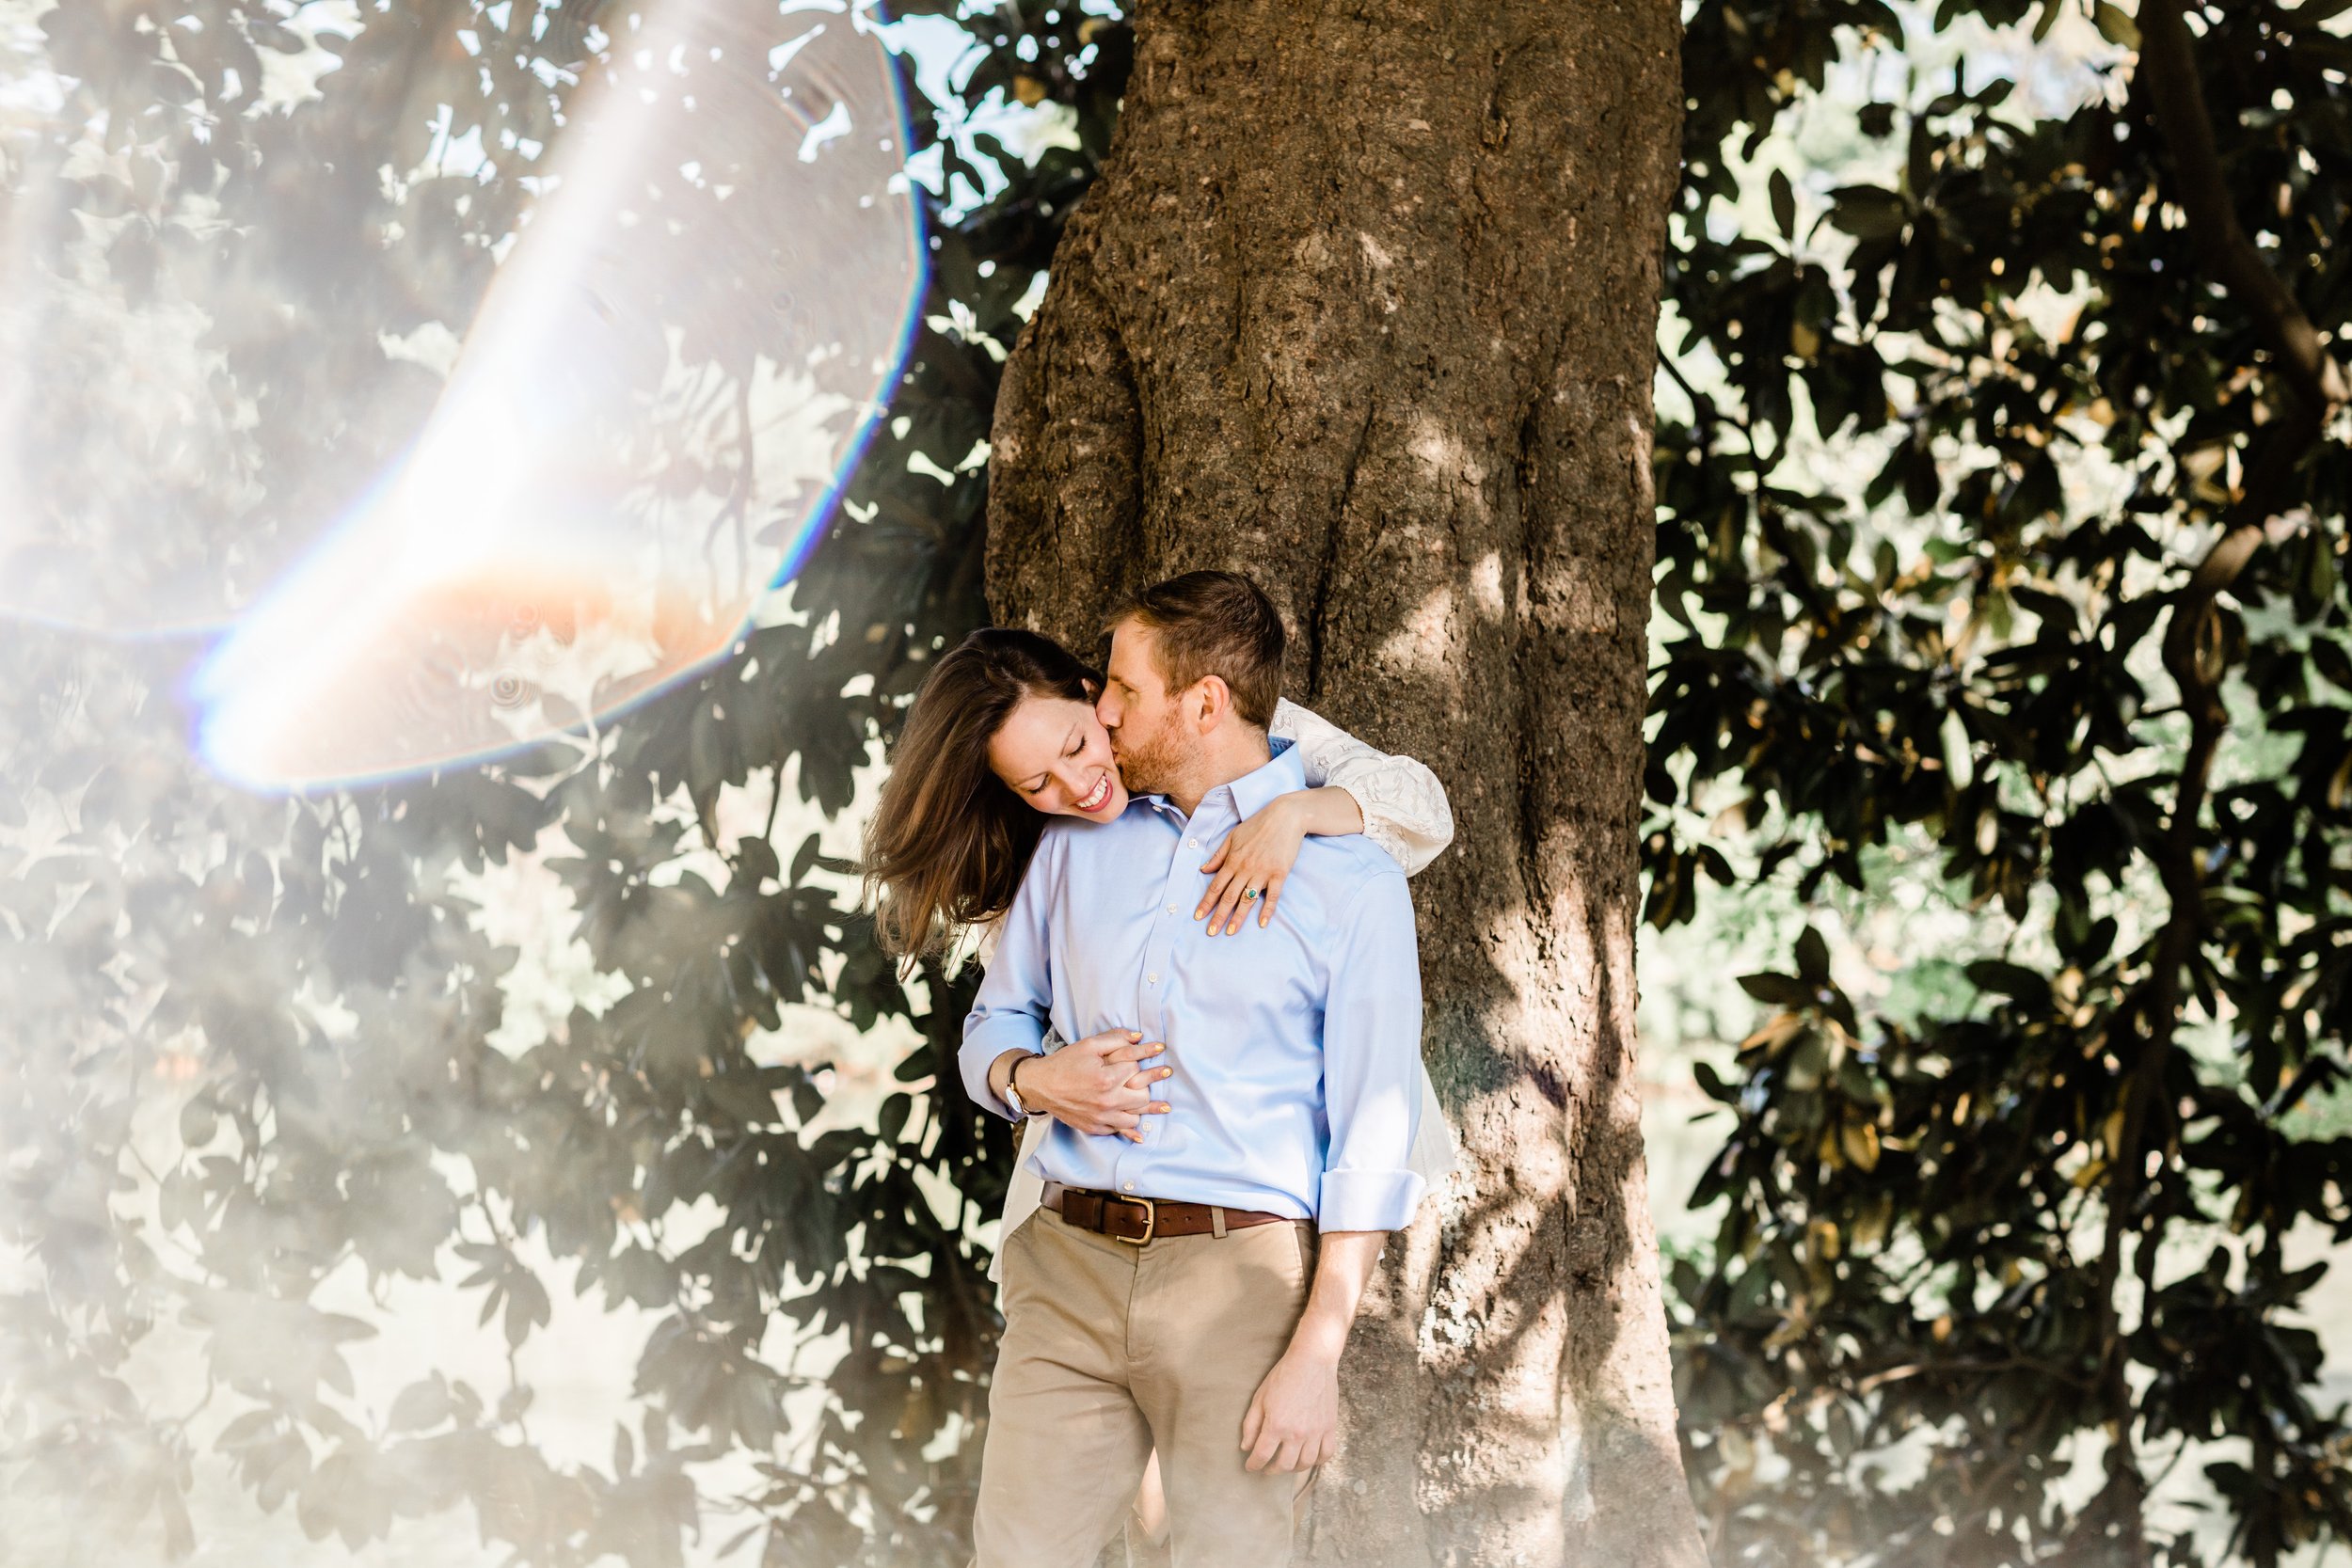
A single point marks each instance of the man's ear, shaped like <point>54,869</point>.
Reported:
<point>1216,698</point>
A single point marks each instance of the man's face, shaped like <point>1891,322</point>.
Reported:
<point>1141,713</point>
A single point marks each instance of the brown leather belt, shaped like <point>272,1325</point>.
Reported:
<point>1137,1220</point>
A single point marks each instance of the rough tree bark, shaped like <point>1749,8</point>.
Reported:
<point>1364,304</point>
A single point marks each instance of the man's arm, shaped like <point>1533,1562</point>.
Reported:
<point>1015,1000</point>
<point>1372,1095</point>
<point>1293,1420</point>
<point>1094,1084</point>
<point>1371,1068</point>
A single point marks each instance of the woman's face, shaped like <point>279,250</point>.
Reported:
<point>1056,757</point>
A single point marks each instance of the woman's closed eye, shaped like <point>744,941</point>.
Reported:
<point>1077,744</point>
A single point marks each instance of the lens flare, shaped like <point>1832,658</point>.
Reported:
<point>605,490</point>
<point>643,431</point>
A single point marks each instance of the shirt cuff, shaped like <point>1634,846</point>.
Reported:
<point>982,1045</point>
<point>1368,1199</point>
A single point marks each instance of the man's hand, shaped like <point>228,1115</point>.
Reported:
<point>1100,1084</point>
<point>1293,1420</point>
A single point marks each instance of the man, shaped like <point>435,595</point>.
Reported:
<point>1192,1286</point>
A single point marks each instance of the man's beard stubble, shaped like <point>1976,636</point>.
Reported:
<point>1149,764</point>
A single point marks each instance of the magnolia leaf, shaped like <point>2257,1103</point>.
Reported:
<point>421,1405</point>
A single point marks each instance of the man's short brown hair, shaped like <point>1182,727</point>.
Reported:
<point>1215,623</point>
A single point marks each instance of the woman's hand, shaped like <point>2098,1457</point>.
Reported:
<point>1260,853</point>
<point>1098,1085</point>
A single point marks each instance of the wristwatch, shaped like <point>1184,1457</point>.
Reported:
<point>1013,1086</point>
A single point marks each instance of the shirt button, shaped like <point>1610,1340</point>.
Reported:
<point>1150,979</point>
<point>1171,908</point>
<point>1127,1187</point>
<point>1192,844</point>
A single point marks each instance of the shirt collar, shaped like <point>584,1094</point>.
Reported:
<point>1284,773</point>
<point>1281,775</point>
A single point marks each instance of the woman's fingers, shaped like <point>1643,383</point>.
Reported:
<point>1128,1124</point>
<point>1218,887</point>
<point>1218,859</point>
<point>1243,904</point>
<point>1233,905</point>
<point>1149,1076</point>
<point>1140,1049</point>
<point>1265,900</point>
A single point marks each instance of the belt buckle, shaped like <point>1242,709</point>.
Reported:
<point>1151,1217</point>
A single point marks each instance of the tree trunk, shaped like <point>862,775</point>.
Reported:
<point>1364,304</point>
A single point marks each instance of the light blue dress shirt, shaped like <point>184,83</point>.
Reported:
<point>1296,1047</point>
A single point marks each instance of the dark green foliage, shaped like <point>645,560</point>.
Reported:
<point>2063,1211</point>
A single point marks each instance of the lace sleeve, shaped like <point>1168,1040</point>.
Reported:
<point>1404,805</point>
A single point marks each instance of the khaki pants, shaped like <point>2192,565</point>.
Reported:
<point>1110,1349</point>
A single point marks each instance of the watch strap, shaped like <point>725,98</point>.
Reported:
<point>1013,1086</point>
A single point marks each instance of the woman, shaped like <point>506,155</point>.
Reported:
<point>1003,736</point>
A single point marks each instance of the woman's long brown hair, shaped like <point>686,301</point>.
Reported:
<point>949,841</point>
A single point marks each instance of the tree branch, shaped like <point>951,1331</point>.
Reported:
<point>2313,387</point>
<point>2177,97</point>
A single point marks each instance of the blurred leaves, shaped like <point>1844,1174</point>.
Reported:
<point>1939,449</point>
<point>301,989</point>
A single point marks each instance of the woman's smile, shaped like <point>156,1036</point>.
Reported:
<point>1097,798</point>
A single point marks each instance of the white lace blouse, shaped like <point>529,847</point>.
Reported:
<point>1404,805</point>
<point>1404,813</point>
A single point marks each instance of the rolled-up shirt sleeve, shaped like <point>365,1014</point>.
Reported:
<point>1013,1008</point>
<point>1372,1064</point>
